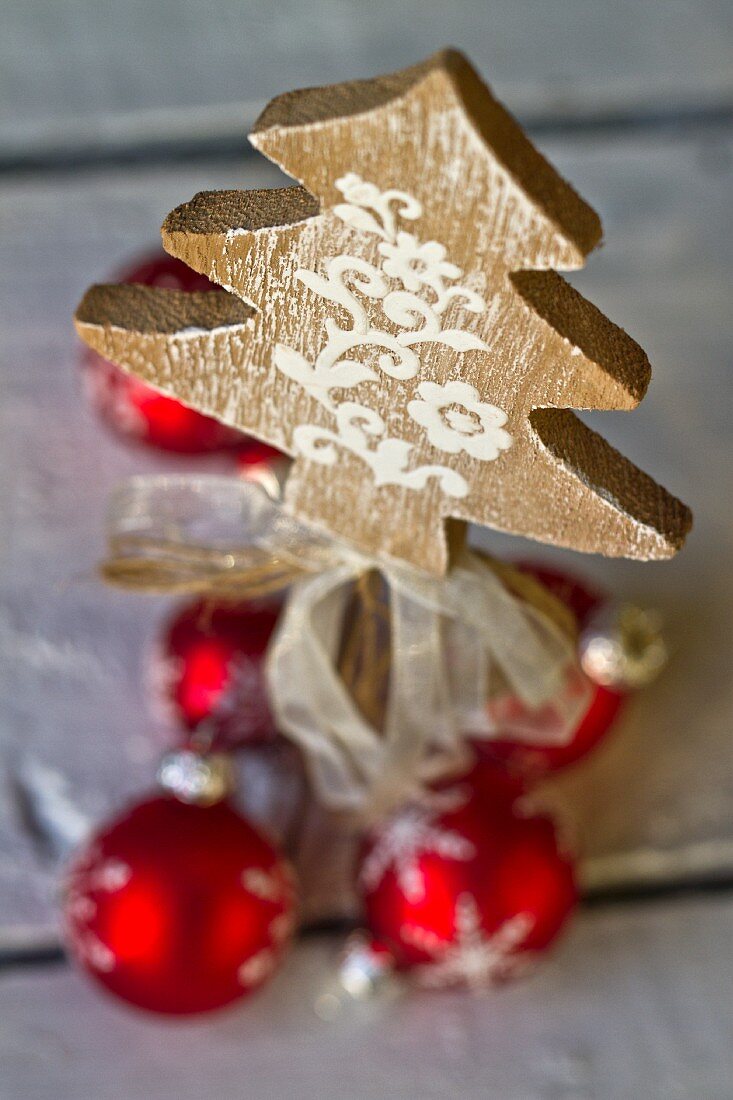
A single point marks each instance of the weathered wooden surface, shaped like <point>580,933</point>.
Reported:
<point>77,74</point>
<point>658,796</point>
<point>635,1002</point>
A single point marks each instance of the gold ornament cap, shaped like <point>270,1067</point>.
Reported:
<point>623,647</point>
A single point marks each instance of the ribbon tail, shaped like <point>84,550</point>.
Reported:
<point>422,738</point>
<point>310,701</point>
<point>548,694</point>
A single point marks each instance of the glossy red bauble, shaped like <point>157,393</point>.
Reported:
<point>265,466</point>
<point>139,412</point>
<point>493,784</point>
<point>533,760</point>
<point>465,890</point>
<point>257,454</point>
<point>207,674</point>
<point>178,908</point>
<point>164,271</point>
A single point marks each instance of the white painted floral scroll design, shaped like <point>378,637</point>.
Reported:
<point>357,427</point>
<point>455,419</point>
<point>417,267</point>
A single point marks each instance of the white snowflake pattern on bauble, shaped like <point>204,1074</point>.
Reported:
<point>109,876</point>
<point>473,958</point>
<point>405,837</point>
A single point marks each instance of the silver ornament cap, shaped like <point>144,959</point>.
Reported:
<point>199,779</point>
<point>366,970</point>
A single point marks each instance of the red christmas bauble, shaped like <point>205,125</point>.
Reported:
<point>178,908</point>
<point>257,454</point>
<point>465,890</point>
<point>490,782</point>
<point>533,760</point>
<point>581,598</point>
<point>139,412</point>
<point>265,466</point>
<point>207,673</point>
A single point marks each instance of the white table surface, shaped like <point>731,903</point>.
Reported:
<point>635,1003</point>
<point>632,103</point>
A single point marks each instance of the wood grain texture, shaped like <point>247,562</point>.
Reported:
<point>633,1003</point>
<point>520,342</point>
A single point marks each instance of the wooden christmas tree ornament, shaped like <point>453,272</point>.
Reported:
<point>395,323</point>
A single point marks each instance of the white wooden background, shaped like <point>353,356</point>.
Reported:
<point>110,114</point>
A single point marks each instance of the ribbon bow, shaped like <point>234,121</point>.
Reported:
<point>448,637</point>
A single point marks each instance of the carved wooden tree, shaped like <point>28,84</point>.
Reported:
<point>395,324</point>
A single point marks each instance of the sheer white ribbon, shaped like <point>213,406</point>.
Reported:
<point>447,636</point>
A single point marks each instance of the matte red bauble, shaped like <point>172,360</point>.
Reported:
<point>137,411</point>
<point>178,908</point>
<point>463,891</point>
<point>207,674</point>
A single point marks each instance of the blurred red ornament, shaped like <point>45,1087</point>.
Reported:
<point>265,466</point>
<point>178,908</point>
<point>140,412</point>
<point>465,890</point>
<point>257,454</point>
<point>578,596</point>
<point>532,760</point>
<point>492,783</point>
<point>207,674</point>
